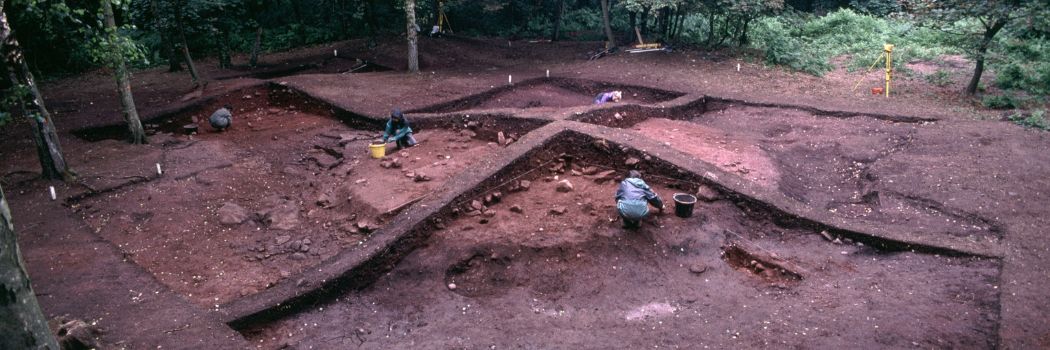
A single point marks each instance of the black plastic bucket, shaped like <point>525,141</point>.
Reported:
<point>683,204</point>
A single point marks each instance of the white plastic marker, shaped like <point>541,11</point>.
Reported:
<point>335,52</point>
<point>159,172</point>
<point>548,73</point>
<point>53,196</point>
<point>738,67</point>
<point>510,79</point>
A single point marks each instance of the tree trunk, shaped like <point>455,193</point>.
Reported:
<point>224,49</point>
<point>559,9</point>
<point>608,27</point>
<point>410,25</point>
<point>189,59</point>
<point>632,21</point>
<point>131,114</point>
<point>982,49</point>
<point>49,150</point>
<point>370,19</point>
<point>645,21</point>
<point>254,60</point>
<point>23,324</point>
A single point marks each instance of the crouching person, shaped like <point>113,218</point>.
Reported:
<point>633,199</point>
<point>398,130</point>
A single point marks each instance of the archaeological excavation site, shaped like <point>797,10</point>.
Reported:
<point>502,218</point>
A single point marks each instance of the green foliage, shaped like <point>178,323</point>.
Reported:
<point>1035,120</point>
<point>1000,102</point>
<point>940,78</point>
<point>783,48</point>
<point>1024,65</point>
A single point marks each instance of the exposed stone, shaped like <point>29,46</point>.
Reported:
<point>497,196</point>
<point>501,139</point>
<point>489,213</point>
<point>707,194</point>
<point>524,185</point>
<point>604,176</point>
<point>477,205</point>
<point>325,161</point>
<point>282,239</point>
<point>516,209</point>
<point>232,214</point>
<point>564,186</point>
<point>421,178</point>
<point>558,210</point>
<point>297,256</point>
<point>365,226</point>
<point>75,333</point>
<point>283,214</point>
<point>632,161</point>
<point>698,268</point>
<point>473,124</point>
<point>589,170</point>
<point>295,245</point>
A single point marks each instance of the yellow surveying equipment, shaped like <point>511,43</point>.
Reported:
<point>887,53</point>
<point>442,20</point>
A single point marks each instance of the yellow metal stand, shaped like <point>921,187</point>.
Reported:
<point>887,50</point>
<point>887,53</point>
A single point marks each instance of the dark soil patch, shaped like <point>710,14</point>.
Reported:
<point>549,92</point>
<point>554,269</point>
<point>326,64</point>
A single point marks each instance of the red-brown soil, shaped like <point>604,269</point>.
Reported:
<point>538,279</point>
<point>582,282</point>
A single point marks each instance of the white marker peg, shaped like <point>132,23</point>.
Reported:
<point>548,73</point>
<point>335,52</point>
<point>159,172</point>
<point>738,67</point>
<point>53,195</point>
<point>510,79</point>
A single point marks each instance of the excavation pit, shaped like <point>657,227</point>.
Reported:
<point>550,93</point>
<point>835,161</point>
<point>288,187</point>
<point>545,267</point>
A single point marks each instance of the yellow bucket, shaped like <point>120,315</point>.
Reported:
<point>378,150</point>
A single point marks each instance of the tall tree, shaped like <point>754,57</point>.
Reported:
<point>608,27</point>
<point>116,49</point>
<point>993,16</point>
<point>23,324</point>
<point>26,98</point>
<point>559,9</point>
<point>413,51</point>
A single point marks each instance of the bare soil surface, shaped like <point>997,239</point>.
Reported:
<point>582,282</point>
<point>722,278</point>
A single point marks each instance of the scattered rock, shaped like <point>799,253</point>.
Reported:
<point>325,161</point>
<point>564,186</point>
<point>273,110</point>
<point>632,161</point>
<point>827,236</point>
<point>295,245</point>
<point>516,209</point>
<point>698,268</point>
<point>707,194</point>
<point>452,286</point>
<point>501,139</point>
<point>477,205</point>
<point>283,214</point>
<point>575,172</point>
<point>365,226</point>
<point>558,210</point>
<point>473,124</point>
<point>489,213</point>
<point>508,141</point>
<point>604,176</point>
<point>483,221</point>
<point>589,170</point>
<point>232,214</point>
<point>421,178</point>
<point>283,239</point>
<point>297,256</point>
<point>75,333</point>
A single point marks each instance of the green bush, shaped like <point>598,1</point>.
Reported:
<point>781,48</point>
<point>1035,120</point>
<point>1000,102</point>
<point>1011,76</point>
<point>940,78</point>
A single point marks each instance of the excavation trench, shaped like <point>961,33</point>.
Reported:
<point>515,260</point>
<point>549,92</point>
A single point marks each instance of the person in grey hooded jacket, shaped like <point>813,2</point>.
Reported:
<point>633,199</point>
<point>222,118</point>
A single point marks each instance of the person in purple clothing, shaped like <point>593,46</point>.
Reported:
<point>604,97</point>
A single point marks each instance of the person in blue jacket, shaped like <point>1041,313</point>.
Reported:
<point>633,199</point>
<point>604,97</point>
<point>398,130</point>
